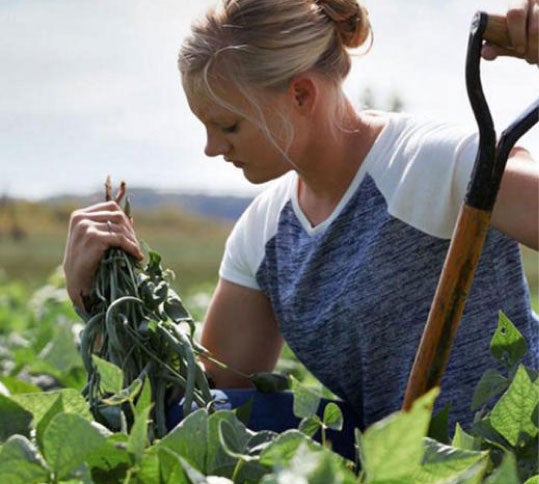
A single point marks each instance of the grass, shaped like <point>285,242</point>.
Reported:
<point>190,246</point>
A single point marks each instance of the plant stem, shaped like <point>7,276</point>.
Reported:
<point>237,469</point>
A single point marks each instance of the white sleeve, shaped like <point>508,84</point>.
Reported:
<point>240,260</point>
<point>245,246</point>
<point>425,175</point>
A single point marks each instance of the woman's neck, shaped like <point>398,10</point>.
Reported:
<point>332,165</point>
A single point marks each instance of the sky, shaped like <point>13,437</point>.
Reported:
<point>90,88</point>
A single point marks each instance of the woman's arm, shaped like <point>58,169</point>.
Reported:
<point>516,212</point>
<point>241,331</point>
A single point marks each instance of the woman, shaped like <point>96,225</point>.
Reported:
<point>340,257</point>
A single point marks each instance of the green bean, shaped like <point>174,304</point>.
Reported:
<point>138,335</point>
<point>191,375</point>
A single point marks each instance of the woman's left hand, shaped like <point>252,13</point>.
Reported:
<point>523,25</point>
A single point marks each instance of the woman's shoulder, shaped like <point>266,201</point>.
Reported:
<point>244,249</point>
<point>422,167</point>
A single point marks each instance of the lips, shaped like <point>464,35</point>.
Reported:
<point>237,164</point>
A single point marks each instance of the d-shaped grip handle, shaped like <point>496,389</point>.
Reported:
<point>496,31</point>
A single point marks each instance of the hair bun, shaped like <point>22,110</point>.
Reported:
<point>351,20</point>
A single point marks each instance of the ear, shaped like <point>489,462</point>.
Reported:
<point>303,92</point>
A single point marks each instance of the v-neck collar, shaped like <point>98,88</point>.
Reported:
<point>354,184</point>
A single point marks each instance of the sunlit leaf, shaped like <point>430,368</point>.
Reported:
<point>138,437</point>
<point>512,414</point>
<point>18,421</point>
<point>21,463</point>
<point>68,441</point>
<point>333,418</point>
<point>310,425</point>
<point>393,447</point>
<point>507,345</point>
<point>306,399</point>
<point>111,376</point>
<point>506,473</point>
<point>492,383</point>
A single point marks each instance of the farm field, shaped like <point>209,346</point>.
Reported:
<point>48,433</point>
<point>189,245</point>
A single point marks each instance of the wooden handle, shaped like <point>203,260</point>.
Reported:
<point>497,32</point>
<point>448,303</point>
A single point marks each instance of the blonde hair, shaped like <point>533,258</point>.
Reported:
<point>260,45</point>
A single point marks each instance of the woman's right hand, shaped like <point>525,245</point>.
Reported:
<point>523,25</point>
<point>93,230</point>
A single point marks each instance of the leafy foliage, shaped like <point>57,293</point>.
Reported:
<point>51,436</point>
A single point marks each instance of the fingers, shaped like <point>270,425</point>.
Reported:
<point>103,226</point>
<point>517,24</point>
<point>533,34</point>
<point>92,231</point>
<point>523,26</point>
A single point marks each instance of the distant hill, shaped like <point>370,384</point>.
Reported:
<point>222,207</point>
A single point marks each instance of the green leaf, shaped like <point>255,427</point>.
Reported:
<point>484,430</point>
<point>218,460</point>
<point>306,399</point>
<point>270,382</point>
<point>60,353</point>
<point>39,403</point>
<point>393,447</point>
<point>14,385</point>
<point>506,473</point>
<point>80,475</point>
<point>127,394</point>
<point>333,418</point>
<point>196,477</point>
<point>259,441</point>
<point>439,425</point>
<point>310,425</point>
<point>145,397</point>
<point>112,458</point>
<point>233,442</point>
<point>284,447</point>
<point>512,414</point>
<point>533,480</point>
<point>308,466</point>
<point>56,408</point>
<point>171,466</point>
<point>442,463</point>
<point>492,383</point>
<point>68,441</point>
<point>149,467</point>
<point>507,345</point>
<point>21,463</point>
<point>111,376</point>
<point>189,439</point>
<point>15,419</point>
<point>138,438</point>
<point>462,440</point>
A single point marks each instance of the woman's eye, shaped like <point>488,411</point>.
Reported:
<point>230,129</point>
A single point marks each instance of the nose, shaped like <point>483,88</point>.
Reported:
<point>216,145</point>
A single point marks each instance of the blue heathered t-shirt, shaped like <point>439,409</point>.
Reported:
<point>352,294</point>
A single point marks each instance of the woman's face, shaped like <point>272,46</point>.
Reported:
<point>237,137</point>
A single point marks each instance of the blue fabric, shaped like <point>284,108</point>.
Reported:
<point>352,302</point>
<point>274,411</point>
